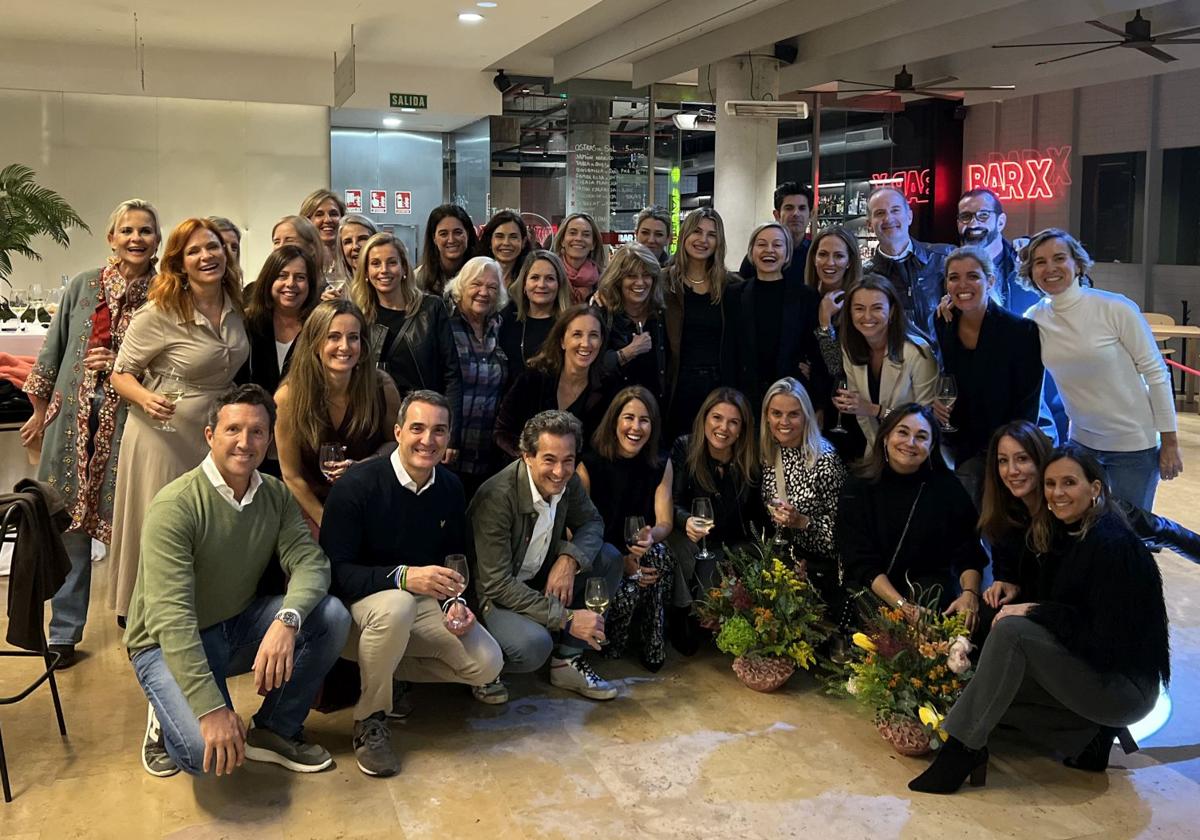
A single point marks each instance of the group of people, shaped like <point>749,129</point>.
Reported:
<point>508,454</point>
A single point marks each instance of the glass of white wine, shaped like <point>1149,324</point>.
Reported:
<point>947,393</point>
<point>457,563</point>
<point>702,512</point>
<point>595,597</point>
<point>18,302</point>
<point>172,387</point>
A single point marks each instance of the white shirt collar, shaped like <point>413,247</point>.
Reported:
<point>907,250</point>
<point>406,480</point>
<point>209,466</point>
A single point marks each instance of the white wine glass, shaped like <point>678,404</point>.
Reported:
<point>702,512</point>
<point>18,302</point>
<point>172,387</point>
<point>779,539</point>
<point>842,384</point>
<point>595,597</point>
<point>37,301</point>
<point>330,456</point>
<point>947,393</point>
<point>457,563</point>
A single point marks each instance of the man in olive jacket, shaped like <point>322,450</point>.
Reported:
<point>529,576</point>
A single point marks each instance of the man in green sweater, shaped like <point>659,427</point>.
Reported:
<point>195,619</point>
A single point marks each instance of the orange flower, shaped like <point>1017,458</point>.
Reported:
<point>916,683</point>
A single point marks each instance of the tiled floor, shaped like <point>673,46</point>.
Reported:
<point>686,753</point>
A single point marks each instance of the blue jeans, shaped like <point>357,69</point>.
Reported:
<point>231,647</point>
<point>69,606</point>
<point>1132,476</point>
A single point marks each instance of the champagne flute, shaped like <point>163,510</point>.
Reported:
<point>595,597</point>
<point>331,455</point>
<point>457,563</point>
<point>172,387</point>
<point>947,393</point>
<point>842,384</point>
<point>702,512</point>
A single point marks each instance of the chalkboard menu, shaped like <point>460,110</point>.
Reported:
<point>589,179</point>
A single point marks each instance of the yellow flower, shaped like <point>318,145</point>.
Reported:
<point>863,641</point>
<point>931,718</point>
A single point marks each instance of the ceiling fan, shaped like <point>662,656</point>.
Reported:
<point>902,83</point>
<point>1136,35</point>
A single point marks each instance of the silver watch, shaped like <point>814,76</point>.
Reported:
<point>289,618</point>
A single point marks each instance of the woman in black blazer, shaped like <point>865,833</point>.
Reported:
<point>995,358</point>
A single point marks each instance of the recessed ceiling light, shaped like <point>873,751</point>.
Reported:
<point>408,110</point>
<point>486,5</point>
<point>470,17</point>
<point>391,122</point>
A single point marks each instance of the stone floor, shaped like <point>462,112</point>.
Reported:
<point>685,753</point>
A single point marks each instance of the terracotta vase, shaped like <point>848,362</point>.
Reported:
<point>906,735</point>
<point>763,673</point>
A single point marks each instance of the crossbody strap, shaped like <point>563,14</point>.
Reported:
<point>904,533</point>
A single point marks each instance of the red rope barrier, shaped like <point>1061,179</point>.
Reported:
<point>1183,368</point>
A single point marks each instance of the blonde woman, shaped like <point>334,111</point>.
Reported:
<point>325,210</point>
<point>353,232</point>
<point>538,296</point>
<point>632,296</point>
<point>76,410</point>
<point>191,329</point>
<point>408,330</point>
<point>701,299</point>
<point>579,244</point>
<point>332,395</point>
<point>297,230</point>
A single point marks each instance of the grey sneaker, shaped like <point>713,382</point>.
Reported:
<point>402,707</point>
<point>373,747</point>
<point>575,674</point>
<point>494,693</point>
<point>296,755</point>
<point>154,750</point>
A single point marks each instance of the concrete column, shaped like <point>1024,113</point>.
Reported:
<point>589,158</point>
<point>744,181</point>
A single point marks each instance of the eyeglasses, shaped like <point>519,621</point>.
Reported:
<point>983,216</point>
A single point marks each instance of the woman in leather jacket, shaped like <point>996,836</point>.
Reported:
<point>1012,494</point>
<point>409,329</point>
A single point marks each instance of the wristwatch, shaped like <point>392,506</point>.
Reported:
<point>288,618</point>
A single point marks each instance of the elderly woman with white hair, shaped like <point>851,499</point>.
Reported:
<point>802,477</point>
<point>475,297</point>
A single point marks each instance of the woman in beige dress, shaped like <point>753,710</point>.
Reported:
<point>190,329</point>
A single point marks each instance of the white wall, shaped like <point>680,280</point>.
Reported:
<point>252,162</point>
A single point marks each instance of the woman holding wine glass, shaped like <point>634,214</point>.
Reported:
<point>717,461</point>
<point>76,410</point>
<point>325,210</point>
<point>886,361</point>
<point>631,295</point>
<point>630,484</point>
<point>332,395</point>
<point>191,328</point>
<point>802,476</point>
<point>992,364</point>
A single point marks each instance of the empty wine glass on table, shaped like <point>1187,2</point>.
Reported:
<point>457,563</point>
<point>331,455</point>
<point>595,597</point>
<point>37,302</point>
<point>947,393</point>
<point>842,384</point>
<point>702,512</point>
<point>172,387</point>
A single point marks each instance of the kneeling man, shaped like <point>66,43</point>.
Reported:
<point>389,524</point>
<point>194,619</point>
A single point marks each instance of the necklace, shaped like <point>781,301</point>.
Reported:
<point>695,284</point>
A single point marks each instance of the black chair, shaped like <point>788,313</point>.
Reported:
<point>8,534</point>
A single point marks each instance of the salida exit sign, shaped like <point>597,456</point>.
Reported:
<point>408,100</point>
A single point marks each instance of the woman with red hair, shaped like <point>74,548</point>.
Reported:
<point>189,338</point>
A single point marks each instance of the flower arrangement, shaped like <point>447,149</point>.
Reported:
<point>909,673</point>
<point>763,609</point>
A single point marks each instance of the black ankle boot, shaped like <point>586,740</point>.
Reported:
<point>954,763</point>
<point>1094,758</point>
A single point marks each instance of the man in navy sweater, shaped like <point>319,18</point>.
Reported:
<point>389,523</point>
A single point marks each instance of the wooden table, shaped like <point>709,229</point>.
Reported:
<point>1162,332</point>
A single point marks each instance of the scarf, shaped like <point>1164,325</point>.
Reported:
<point>583,280</point>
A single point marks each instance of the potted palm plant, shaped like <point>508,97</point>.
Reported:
<point>27,211</point>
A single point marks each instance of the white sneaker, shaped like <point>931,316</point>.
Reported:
<point>154,752</point>
<point>575,674</point>
<point>494,693</point>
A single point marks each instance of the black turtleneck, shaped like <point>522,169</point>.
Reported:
<point>941,542</point>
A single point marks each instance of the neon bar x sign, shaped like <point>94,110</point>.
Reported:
<point>1028,175</point>
<point>913,183</point>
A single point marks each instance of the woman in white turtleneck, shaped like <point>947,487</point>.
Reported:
<point>1109,371</point>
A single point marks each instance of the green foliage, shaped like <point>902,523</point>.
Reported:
<point>763,606</point>
<point>28,211</point>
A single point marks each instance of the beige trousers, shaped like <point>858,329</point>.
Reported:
<point>399,635</point>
